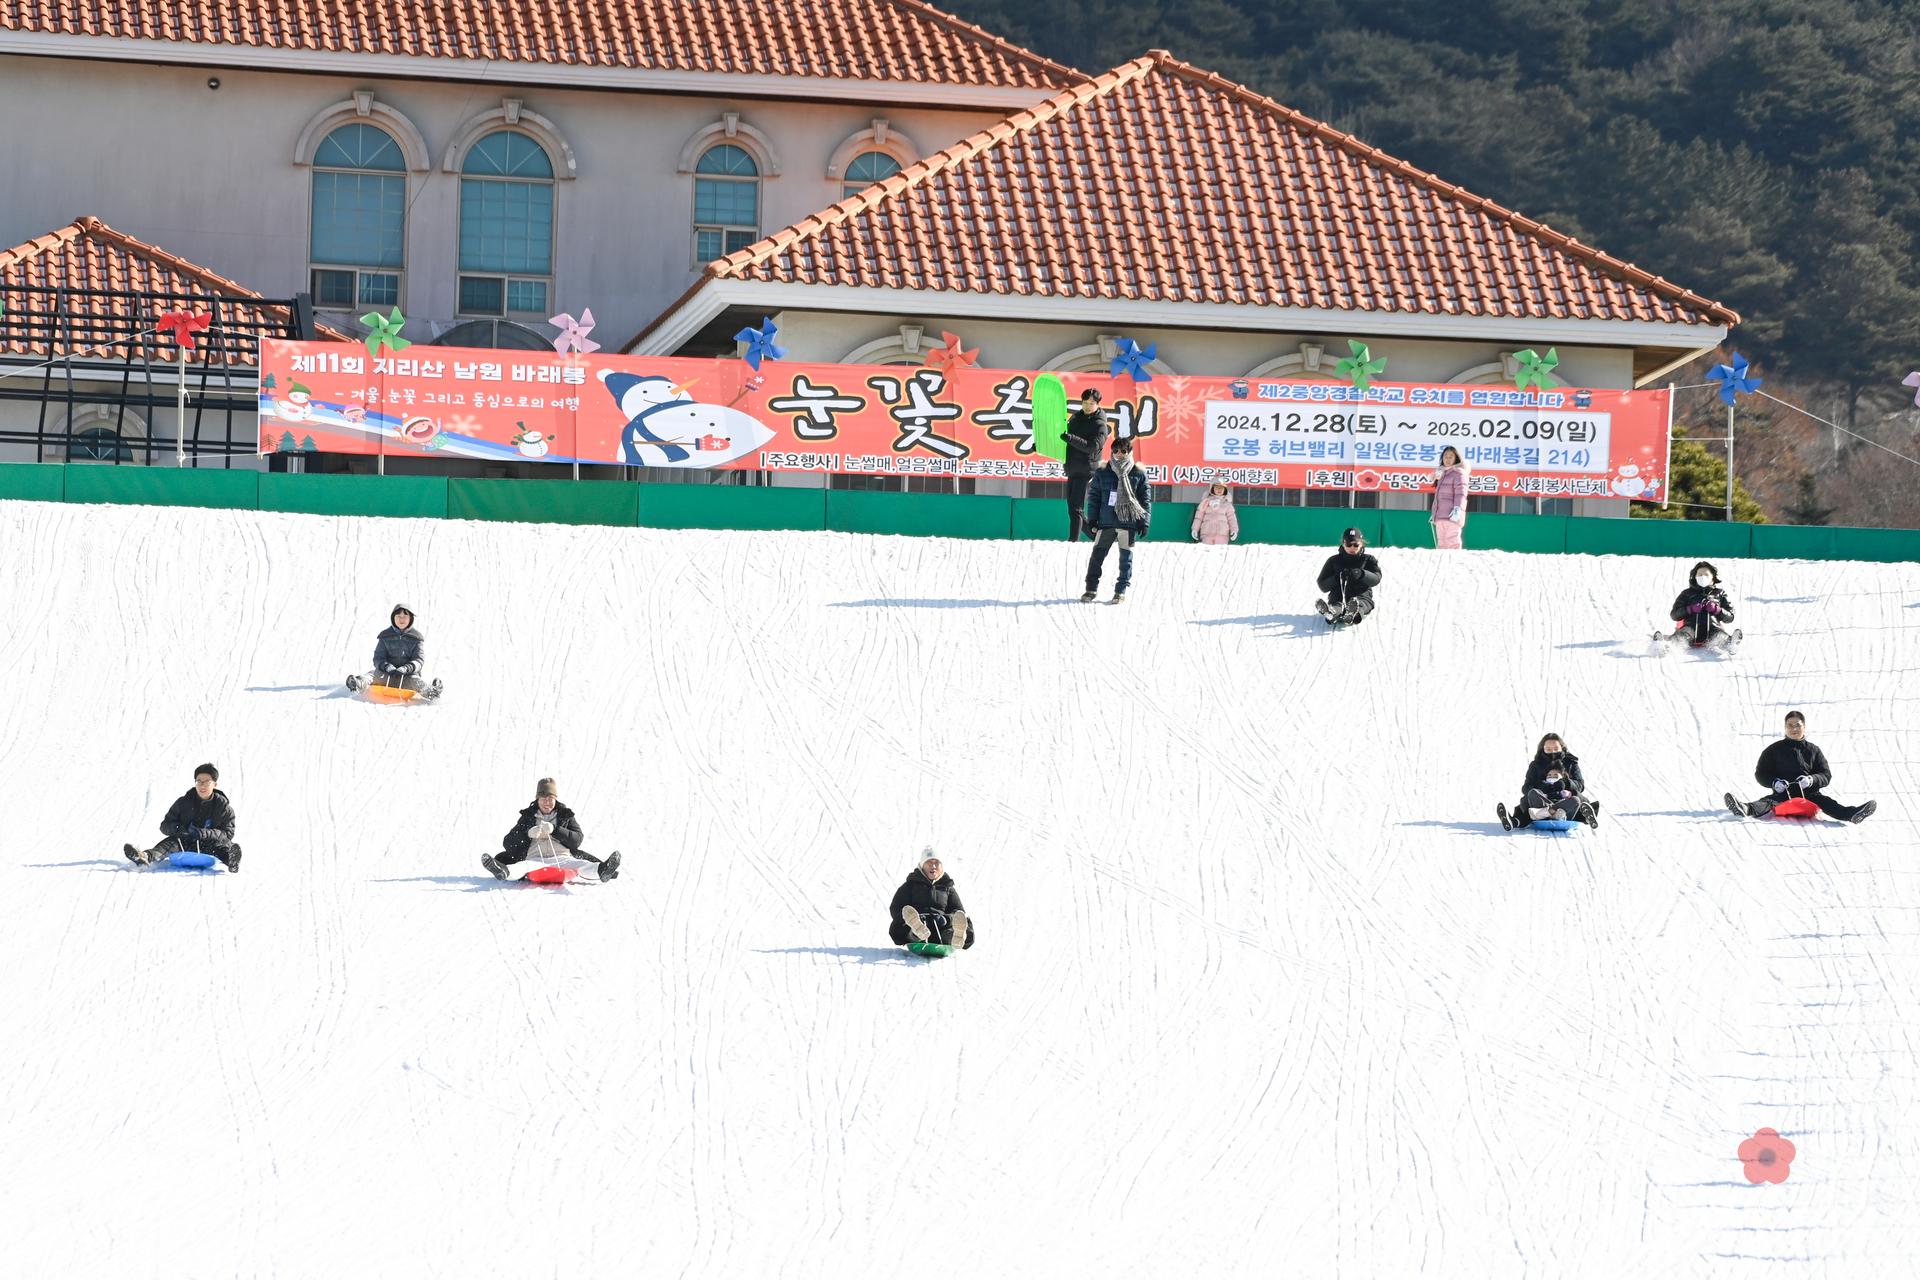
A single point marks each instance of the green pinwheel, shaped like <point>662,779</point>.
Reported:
<point>1361,368</point>
<point>384,331</point>
<point>1529,367</point>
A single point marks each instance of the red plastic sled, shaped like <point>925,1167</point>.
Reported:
<point>389,693</point>
<point>552,875</point>
<point>1796,808</point>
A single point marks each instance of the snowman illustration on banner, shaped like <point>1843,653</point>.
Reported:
<point>666,427</point>
<point>1629,483</point>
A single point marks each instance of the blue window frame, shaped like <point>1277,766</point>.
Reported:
<point>506,226</point>
<point>358,232</point>
<point>726,202</point>
<point>868,168</point>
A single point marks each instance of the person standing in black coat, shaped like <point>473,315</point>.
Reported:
<point>1119,508</point>
<point>399,656</point>
<point>1703,611</point>
<point>1554,788</point>
<point>1347,580</point>
<point>927,908</point>
<point>201,820</point>
<point>1086,437</point>
<point>1795,767</point>
<point>546,830</point>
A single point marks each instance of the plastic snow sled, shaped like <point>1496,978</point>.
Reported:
<point>192,860</point>
<point>389,693</point>
<point>552,875</point>
<point>1556,824</point>
<point>932,949</point>
<point>1796,808</point>
<point>1050,416</point>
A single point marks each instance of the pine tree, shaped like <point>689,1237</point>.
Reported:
<point>307,445</point>
<point>1697,488</point>
<point>286,443</point>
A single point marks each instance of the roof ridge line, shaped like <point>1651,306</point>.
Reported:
<point>1432,181</point>
<point>1073,75</point>
<point>931,166</point>
<point>87,225</point>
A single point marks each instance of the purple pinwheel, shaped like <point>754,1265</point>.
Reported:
<point>760,342</point>
<point>1733,379</point>
<point>573,333</point>
<point>1913,380</point>
<point>1132,360</point>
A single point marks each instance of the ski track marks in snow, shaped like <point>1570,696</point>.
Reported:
<point>1259,976</point>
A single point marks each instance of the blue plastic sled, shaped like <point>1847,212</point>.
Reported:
<point>192,860</point>
<point>1554,824</point>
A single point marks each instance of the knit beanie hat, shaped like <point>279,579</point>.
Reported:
<point>547,787</point>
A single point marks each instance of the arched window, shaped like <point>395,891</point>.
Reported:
<point>506,227</point>
<point>866,169</point>
<point>357,240</point>
<point>726,202</point>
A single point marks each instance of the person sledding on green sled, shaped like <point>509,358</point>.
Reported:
<point>927,914</point>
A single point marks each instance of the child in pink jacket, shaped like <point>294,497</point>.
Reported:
<point>1215,521</point>
<point>1449,500</point>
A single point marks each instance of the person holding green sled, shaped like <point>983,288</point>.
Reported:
<point>927,908</point>
<point>1086,437</point>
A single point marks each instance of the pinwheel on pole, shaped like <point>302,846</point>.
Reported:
<point>573,333</point>
<point>950,356</point>
<point>1360,368</point>
<point>384,331</point>
<point>1132,359</point>
<point>1530,367</point>
<point>182,325</point>
<point>760,344</point>
<point>1733,382</point>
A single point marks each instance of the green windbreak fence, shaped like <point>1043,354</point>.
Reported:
<point>700,506</point>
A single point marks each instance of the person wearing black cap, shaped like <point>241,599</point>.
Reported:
<point>1086,435</point>
<point>399,655</point>
<point>1347,580</point>
<point>546,831</point>
<point>201,820</point>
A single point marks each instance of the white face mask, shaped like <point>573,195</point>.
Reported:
<point>1703,579</point>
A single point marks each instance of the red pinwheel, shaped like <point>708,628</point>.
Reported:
<point>950,357</point>
<point>182,325</point>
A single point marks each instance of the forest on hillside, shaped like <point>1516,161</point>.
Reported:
<point>1764,153</point>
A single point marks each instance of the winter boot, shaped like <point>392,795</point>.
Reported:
<point>916,927</point>
<point>1323,609</point>
<point>1738,806</point>
<point>959,922</point>
<point>353,684</point>
<point>1506,822</point>
<point>1087,597</point>
<point>138,857</point>
<point>1865,811</point>
<point>1119,597</point>
<point>499,872</point>
<point>431,692</point>
<point>1589,815</point>
<point>233,859</point>
<point>611,867</point>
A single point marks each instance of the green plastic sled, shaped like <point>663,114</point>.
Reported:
<point>934,949</point>
<point>1050,416</point>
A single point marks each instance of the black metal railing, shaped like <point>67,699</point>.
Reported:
<point>73,350</point>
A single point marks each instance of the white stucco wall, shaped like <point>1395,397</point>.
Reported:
<point>210,175</point>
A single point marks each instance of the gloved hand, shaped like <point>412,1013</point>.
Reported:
<point>1805,780</point>
<point>544,830</point>
<point>1779,785</point>
<point>390,669</point>
<point>1457,515</point>
<point>1696,606</point>
<point>1713,606</point>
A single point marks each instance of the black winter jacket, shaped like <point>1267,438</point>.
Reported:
<point>1355,576</point>
<point>1569,767</point>
<point>1789,759</point>
<point>1694,595</point>
<point>1102,513</point>
<point>923,894</point>
<point>566,829</point>
<point>404,649</point>
<point>1086,438</point>
<point>210,821</point>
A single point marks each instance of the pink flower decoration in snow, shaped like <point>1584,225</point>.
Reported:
<point>1766,1157</point>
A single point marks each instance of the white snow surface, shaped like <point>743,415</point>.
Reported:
<point>1261,988</point>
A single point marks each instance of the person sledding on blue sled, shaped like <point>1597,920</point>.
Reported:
<point>199,823</point>
<point>927,915</point>
<point>1554,796</point>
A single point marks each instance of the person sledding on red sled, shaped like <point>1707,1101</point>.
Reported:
<point>1555,788</point>
<point>1797,770</point>
<point>546,831</point>
<point>1704,614</point>
<point>201,821</point>
<point>926,909</point>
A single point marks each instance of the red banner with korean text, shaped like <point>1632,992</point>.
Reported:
<point>722,414</point>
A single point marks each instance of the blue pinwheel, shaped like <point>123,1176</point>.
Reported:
<point>1133,359</point>
<point>760,345</point>
<point>1733,379</point>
